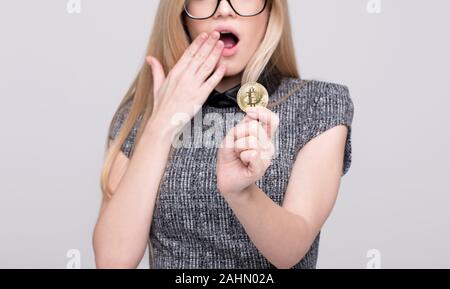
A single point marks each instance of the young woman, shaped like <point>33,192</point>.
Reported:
<point>203,184</point>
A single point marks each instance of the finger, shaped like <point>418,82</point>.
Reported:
<point>189,53</point>
<point>246,143</point>
<point>212,82</point>
<point>227,145</point>
<point>157,73</point>
<point>251,128</point>
<point>251,160</point>
<point>247,119</point>
<point>203,52</point>
<point>211,61</point>
<point>266,149</point>
<point>269,120</point>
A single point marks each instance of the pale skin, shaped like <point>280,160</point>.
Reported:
<point>251,32</point>
<point>122,229</point>
<point>283,234</point>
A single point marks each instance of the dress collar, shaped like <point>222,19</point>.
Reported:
<point>270,79</point>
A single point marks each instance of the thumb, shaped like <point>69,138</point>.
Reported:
<point>250,159</point>
<point>157,72</point>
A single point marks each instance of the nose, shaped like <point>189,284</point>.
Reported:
<point>224,9</point>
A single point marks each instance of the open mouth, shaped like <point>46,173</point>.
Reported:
<point>229,39</point>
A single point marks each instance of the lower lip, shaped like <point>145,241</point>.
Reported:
<point>230,51</point>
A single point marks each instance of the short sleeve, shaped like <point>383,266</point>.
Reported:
<point>118,120</point>
<point>331,106</point>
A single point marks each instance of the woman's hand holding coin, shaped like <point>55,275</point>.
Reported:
<point>246,151</point>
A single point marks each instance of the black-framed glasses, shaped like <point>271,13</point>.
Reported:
<point>204,9</point>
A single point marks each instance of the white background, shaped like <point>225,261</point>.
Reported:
<point>62,76</point>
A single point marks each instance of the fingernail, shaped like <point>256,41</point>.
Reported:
<point>251,110</point>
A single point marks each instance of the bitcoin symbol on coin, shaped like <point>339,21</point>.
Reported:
<point>252,94</point>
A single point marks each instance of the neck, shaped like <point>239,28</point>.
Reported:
<point>229,82</point>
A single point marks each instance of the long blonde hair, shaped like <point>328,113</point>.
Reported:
<point>167,43</point>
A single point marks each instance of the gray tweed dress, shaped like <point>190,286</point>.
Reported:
<point>193,226</point>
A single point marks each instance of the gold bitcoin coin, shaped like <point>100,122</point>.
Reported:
<point>252,94</point>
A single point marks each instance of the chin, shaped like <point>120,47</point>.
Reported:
<point>232,68</point>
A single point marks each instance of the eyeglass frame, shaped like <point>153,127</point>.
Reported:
<point>217,6</point>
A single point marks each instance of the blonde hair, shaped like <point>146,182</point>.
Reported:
<point>167,43</point>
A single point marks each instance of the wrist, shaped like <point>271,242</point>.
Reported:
<point>160,129</point>
<point>243,197</point>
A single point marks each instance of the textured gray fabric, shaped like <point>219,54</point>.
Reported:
<point>193,227</point>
